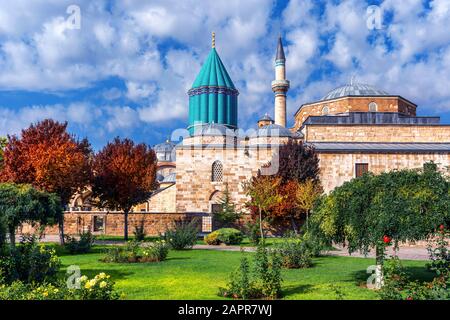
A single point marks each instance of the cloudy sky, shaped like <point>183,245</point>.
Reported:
<point>126,70</point>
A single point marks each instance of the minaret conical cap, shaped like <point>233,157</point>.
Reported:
<point>280,50</point>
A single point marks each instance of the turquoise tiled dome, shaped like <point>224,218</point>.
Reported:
<point>213,98</point>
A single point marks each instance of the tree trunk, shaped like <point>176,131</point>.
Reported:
<point>12,236</point>
<point>294,225</point>
<point>379,280</point>
<point>61,231</point>
<point>125,228</point>
<point>307,220</point>
<point>260,224</point>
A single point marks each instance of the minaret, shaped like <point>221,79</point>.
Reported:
<point>280,85</point>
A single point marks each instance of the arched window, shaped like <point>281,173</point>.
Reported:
<point>325,110</point>
<point>217,171</point>
<point>373,107</point>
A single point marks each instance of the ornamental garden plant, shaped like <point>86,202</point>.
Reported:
<point>371,212</point>
<point>136,251</point>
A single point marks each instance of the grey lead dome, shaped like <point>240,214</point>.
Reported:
<point>356,89</point>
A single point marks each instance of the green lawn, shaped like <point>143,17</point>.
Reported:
<point>197,274</point>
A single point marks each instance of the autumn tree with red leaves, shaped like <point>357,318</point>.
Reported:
<point>298,171</point>
<point>124,176</point>
<point>49,158</point>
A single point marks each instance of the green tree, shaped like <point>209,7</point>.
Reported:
<point>263,193</point>
<point>21,203</point>
<point>373,211</point>
<point>227,214</point>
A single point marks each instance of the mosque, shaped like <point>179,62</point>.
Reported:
<point>354,128</point>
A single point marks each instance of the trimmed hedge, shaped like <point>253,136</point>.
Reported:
<point>228,236</point>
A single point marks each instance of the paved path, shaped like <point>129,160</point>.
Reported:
<point>409,253</point>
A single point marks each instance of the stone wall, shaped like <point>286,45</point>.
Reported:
<point>195,190</point>
<point>163,200</point>
<point>154,223</point>
<point>337,168</point>
<point>354,104</point>
<point>377,133</point>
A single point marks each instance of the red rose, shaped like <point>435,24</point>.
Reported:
<point>441,227</point>
<point>387,239</point>
<point>409,298</point>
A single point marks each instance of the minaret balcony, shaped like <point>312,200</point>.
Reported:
<point>280,85</point>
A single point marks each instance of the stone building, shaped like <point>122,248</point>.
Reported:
<point>355,128</point>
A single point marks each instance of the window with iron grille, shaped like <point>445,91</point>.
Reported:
<point>361,169</point>
<point>217,171</point>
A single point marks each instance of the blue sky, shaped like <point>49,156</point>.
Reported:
<point>126,70</point>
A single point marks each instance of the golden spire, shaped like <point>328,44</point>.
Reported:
<point>213,39</point>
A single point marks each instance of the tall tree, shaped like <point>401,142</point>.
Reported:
<point>227,214</point>
<point>49,158</point>
<point>298,163</point>
<point>124,176</point>
<point>263,193</point>
<point>307,194</point>
<point>23,203</point>
<point>371,211</point>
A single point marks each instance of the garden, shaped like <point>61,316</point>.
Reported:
<point>292,228</point>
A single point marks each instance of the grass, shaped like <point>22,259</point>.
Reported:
<point>197,274</point>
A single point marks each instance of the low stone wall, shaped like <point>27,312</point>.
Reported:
<point>112,223</point>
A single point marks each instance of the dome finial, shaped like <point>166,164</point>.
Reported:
<point>352,79</point>
<point>213,39</point>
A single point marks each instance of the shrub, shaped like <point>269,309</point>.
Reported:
<point>440,255</point>
<point>127,253</point>
<point>183,236</point>
<point>139,232</point>
<point>262,280</point>
<point>134,251</point>
<point>29,262</point>
<point>83,245</point>
<point>212,238</point>
<point>158,251</point>
<point>398,286</point>
<point>295,253</point>
<point>228,236</point>
<point>98,288</point>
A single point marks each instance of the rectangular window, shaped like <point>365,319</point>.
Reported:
<point>361,169</point>
<point>99,224</point>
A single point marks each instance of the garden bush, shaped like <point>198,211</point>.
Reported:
<point>134,251</point>
<point>28,262</point>
<point>139,232</point>
<point>262,279</point>
<point>98,288</point>
<point>80,246</point>
<point>183,235</point>
<point>212,239</point>
<point>228,236</point>
<point>252,231</point>
<point>295,253</point>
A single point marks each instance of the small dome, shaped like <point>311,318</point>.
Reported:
<point>213,129</point>
<point>266,117</point>
<point>165,152</point>
<point>159,177</point>
<point>354,89</point>
<point>273,130</point>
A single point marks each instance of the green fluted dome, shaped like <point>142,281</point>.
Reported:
<point>213,97</point>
